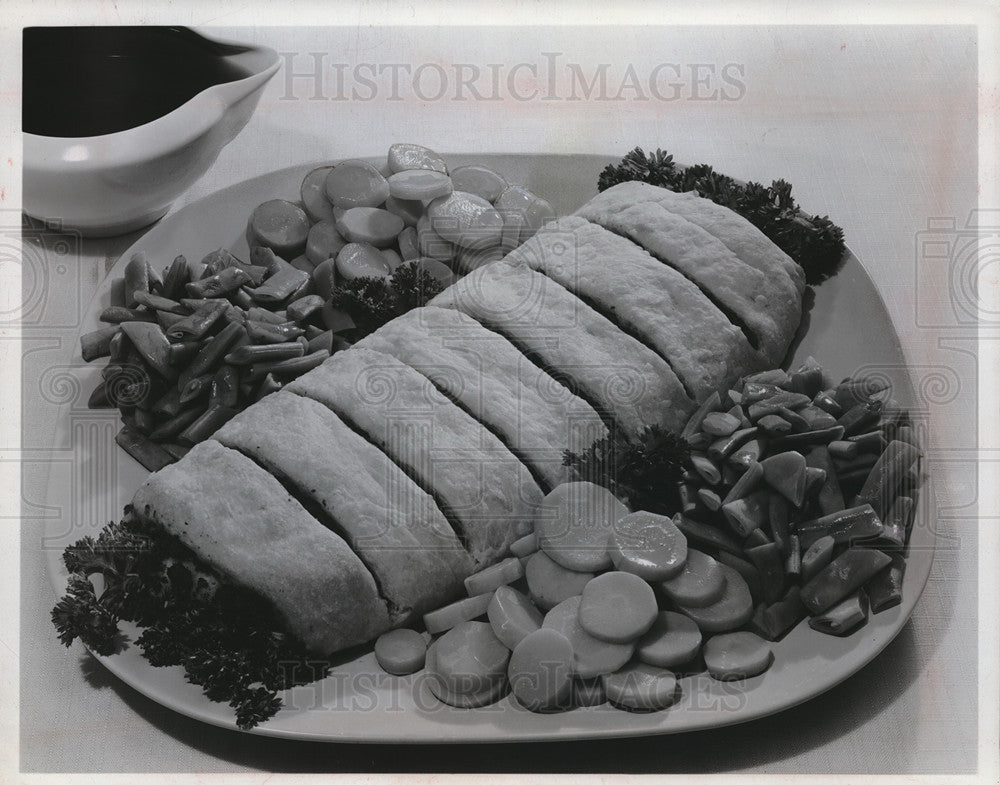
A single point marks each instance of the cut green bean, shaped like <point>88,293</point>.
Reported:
<point>860,418</point>
<point>885,590</point>
<point>849,526</point>
<point>753,392</point>
<point>196,388</point>
<point>208,423</point>
<point>793,561</point>
<point>825,401</point>
<point>750,453</point>
<point>896,525</point>
<point>852,392</point>
<point>830,498</point>
<point>150,455</point>
<point>775,620</point>
<point>262,332</point>
<point>843,450</point>
<point>289,368</point>
<point>304,307</point>
<point>99,398</point>
<point>137,278</point>
<point>710,404</point>
<point>116,314</point>
<point>800,441</point>
<point>773,424</point>
<point>722,448</point>
<point>210,356</point>
<point>169,428</point>
<point>218,285</point>
<point>872,441</point>
<point>257,314</point>
<point>883,482</point>
<point>280,286</point>
<point>744,515</point>
<point>157,303</point>
<point>152,344</point>
<point>225,387</point>
<point>844,617</point>
<point>688,496</point>
<point>774,404</point>
<point>263,353</point>
<point>706,535</point>
<point>168,404</point>
<point>779,515</point>
<point>816,557</point>
<point>97,344</point>
<point>709,471</point>
<point>747,482</point>
<point>770,564</point>
<point>178,275</point>
<point>776,377</point>
<point>183,352</point>
<point>196,325</point>
<point>264,257</point>
<point>842,577</point>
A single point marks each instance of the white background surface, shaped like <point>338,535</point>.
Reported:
<point>875,126</point>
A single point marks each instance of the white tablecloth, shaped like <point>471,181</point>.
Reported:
<point>875,126</point>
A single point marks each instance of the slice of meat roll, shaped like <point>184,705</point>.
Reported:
<point>485,491</point>
<point>646,298</point>
<point>532,413</point>
<point>352,486</point>
<point>740,236</point>
<point>621,377</point>
<point>758,303</point>
<point>238,519</point>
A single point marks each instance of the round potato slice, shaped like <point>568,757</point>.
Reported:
<point>737,655</point>
<point>401,652</point>
<point>313,194</point>
<point>641,687</point>
<point>465,220</point>
<point>617,607</point>
<point>419,185</point>
<point>355,184</point>
<point>649,546</point>
<point>491,693</point>
<point>673,640</point>
<point>403,156</point>
<point>324,241</point>
<point>575,523</point>
<point>469,658</point>
<point>360,260</point>
<point>591,657</point>
<point>540,671</point>
<point>512,616</point>
<point>371,225</point>
<point>479,180</point>
<point>733,609</point>
<point>550,583</point>
<point>700,583</point>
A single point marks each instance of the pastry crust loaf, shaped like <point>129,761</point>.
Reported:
<point>240,520</point>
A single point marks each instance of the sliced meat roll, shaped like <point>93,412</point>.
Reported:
<point>617,374</point>
<point>740,236</point>
<point>352,486</point>
<point>485,490</point>
<point>238,519</point>
<point>751,299</point>
<point>646,298</point>
<point>533,414</point>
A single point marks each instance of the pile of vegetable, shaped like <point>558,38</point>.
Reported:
<point>814,242</point>
<point>603,604</point>
<point>191,347</point>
